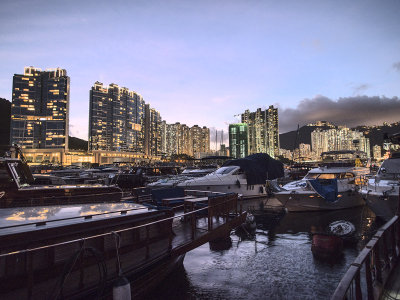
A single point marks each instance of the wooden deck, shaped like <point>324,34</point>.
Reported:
<point>184,241</point>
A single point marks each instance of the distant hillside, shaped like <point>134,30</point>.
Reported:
<point>77,143</point>
<point>375,134</point>
<point>288,140</point>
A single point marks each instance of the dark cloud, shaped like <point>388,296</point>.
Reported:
<point>350,111</point>
<point>361,88</point>
<point>397,66</point>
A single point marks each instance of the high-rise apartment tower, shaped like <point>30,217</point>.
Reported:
<point>263,131</point>
<point>40,109</point>
<point>116,118</point>
<point>238,140</point>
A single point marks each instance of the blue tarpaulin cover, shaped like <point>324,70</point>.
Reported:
<point>326,188</point>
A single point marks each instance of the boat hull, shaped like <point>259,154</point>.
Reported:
<point>63,194</point>
<point>311,201</point>
<point>247,191</point>
<point>383,207</point>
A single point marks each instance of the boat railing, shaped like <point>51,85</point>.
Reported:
<point>63,197</point>
<point>143,194</point>
<point>367,275</point>
<point>190,230</point>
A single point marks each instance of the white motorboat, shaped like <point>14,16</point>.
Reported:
<point>174,180</point>
<point>246,176</point>
<point>382,191</point>
<point>225,180</point>
<point>328,187</point>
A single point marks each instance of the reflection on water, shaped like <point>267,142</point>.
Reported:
<point>276,263</point>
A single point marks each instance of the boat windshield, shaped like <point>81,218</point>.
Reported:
<point>225,170</point>
<point>18,174</point>
<point>322,175</point>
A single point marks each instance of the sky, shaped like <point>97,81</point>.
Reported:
<point>205,62</point>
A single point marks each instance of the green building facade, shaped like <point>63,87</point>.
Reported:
<point>238,140</point>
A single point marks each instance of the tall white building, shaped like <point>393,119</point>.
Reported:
<point>377,152</point>
<point>341,138</point>
<point>181,139</point>
<point>263,131</point>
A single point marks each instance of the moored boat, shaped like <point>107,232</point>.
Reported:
<point>246,176</point>
<point>328,187</point>
<point>17,189</point>
<point>382,191</point>
<point>78,251</point>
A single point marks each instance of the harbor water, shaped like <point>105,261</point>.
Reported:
<point>275,263</point>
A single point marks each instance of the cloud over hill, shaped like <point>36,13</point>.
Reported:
<point>349,111</point>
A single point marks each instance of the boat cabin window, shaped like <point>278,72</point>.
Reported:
<point>328,176</point>
<point>312,175</point>
<point>238,172</point>
<point>225,170</point>
<point>347,175</point>
<point>322,176</point>
<point>18,174</point>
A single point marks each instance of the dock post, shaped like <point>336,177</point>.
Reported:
<point>193,223</point>
<point>358,285</point>
<point>398,205</point>
<point>368,277</point>
<point>378,265</point>
<point>170,237</point>
<point>29,260</point>
<point>393,243</point>
<point>398,223</point>
<point>385,248</point>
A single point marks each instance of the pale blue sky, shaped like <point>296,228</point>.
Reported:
<point>202,62</point>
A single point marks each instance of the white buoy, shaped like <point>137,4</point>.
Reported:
<point>122,289</point>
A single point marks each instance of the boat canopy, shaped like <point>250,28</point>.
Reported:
<point>258,167</point>
<point>326,188</point>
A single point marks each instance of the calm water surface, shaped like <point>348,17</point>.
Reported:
<point>277,263</point>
